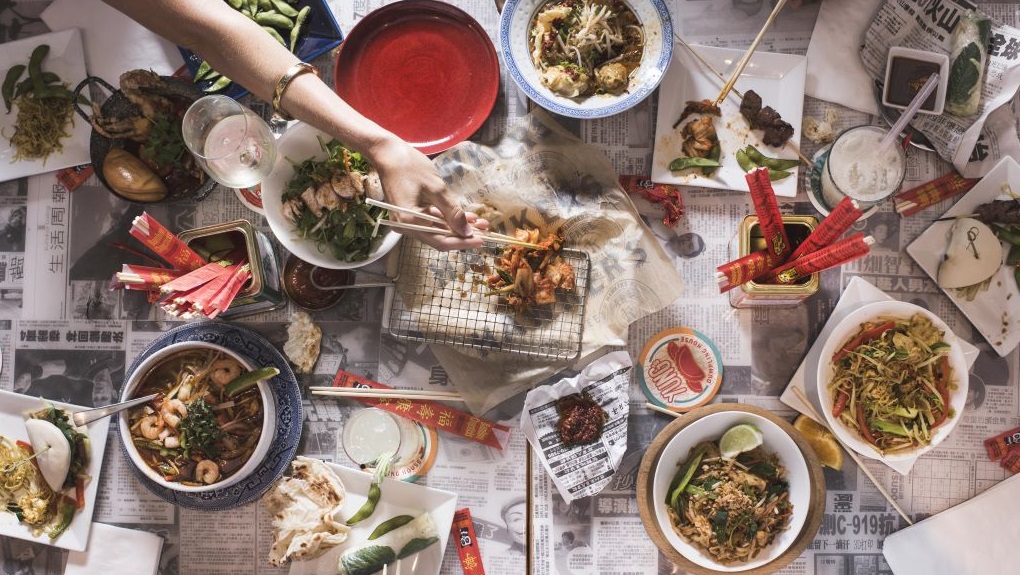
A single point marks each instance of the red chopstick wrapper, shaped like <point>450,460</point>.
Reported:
<point>145,277</point>
<point>832,227</point>
<point>770,219</point>
<point>998,446</point>
<point>666,196</point>
<point>837,254</point>
<point>742,270</point>
<point>930,193</point>
<point>430,413</point>
<point>463,533</point>
<point>162,241</point>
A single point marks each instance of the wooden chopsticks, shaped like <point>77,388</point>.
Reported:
<point>486,235</point>
<point>373,393</point>
<point>747,55</point>
<point>789,143</point>
<point>853,454</point>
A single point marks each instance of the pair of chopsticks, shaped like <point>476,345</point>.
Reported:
<point>494,237</point>
<point>374,393</point>
<point>747,55</point>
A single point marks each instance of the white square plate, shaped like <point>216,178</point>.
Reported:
<point>67,60</point>
<point>777,78</point>
<point>13,407</point>
<point>994,312</point>
<point>398,498</point>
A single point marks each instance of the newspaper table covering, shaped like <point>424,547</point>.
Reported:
<point>581,470</point>
<point>973,144</point>
<point>63,334</point>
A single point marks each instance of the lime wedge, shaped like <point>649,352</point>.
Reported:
<point>738,439</point>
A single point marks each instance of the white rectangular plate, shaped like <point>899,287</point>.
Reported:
<point>13,407</point>
<point>994,312</point>
<point>67,60</point>
<point>398,498</point>
<point>777,78</point>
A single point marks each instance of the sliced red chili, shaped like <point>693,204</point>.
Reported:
<point>79,493</point>
<point>942,385</point>
<point>862,423</point>
<point>840,404</point>
<point>863,337</point>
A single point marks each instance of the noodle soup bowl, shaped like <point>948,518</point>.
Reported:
<point>844,332</point>
<point>711,427</point>
<point>515,24</point>
<point>133,388</point>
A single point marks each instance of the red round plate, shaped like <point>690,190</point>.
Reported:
<point>422,69</point>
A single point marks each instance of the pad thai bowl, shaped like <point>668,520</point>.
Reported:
<point>586,58</point>
<point>179,447</point>
<point>788,462</point>
<point>892,366</point>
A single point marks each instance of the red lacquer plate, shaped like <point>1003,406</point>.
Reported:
<point>422,69</point>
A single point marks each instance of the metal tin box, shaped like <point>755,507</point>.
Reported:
<point>750,239</point>
<point>263,291</point>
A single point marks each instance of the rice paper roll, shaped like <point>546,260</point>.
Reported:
<point>968,54</point>
<point>399,543</point>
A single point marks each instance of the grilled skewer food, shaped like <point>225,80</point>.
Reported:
<point>777,131</point>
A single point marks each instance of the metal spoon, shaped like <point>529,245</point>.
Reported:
<point>89,415</point>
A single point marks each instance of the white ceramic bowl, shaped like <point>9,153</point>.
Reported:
<point>844,331</point>
<point>711,428</point>
<point>299,143</point>
<point>134,379</point>
<point>514,28</point>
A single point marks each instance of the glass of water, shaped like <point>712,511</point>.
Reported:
<point>230,142</point>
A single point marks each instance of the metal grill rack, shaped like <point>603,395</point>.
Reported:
<point>440,298</point>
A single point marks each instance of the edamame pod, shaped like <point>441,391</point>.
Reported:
<point>276,35</point>
<point>218,85</point>
<point>684,163</point>
<point>299,24</point>
<point>284,8</point>
<point>274,19</point>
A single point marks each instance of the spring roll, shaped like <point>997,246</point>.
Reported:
<point>968,54</point>
<point>402,542</point>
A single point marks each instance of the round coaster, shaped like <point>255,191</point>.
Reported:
<point>251,198</point>
<point>680,369</point>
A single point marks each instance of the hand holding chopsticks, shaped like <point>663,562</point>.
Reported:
<point>486,235</point>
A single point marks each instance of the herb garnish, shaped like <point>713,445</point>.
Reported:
<point>200,430</point>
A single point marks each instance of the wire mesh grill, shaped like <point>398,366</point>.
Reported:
<point>440,298</point>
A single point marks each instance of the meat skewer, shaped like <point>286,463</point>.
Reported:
<point>747,55</point>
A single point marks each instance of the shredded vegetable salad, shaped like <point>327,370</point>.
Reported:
<point>730,508</point>
<point>892,382</point>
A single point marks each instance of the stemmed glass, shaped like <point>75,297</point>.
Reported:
<point>229,141</point>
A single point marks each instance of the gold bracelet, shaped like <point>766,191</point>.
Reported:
<point>285,80</point>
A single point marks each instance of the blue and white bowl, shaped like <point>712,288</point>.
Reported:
<point>515,24</point>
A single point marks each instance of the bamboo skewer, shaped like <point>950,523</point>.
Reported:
<point>747,55</point>
<point>371,393</point>
<point>789,143</point>
<point>495,237</point>
<point>853,455</point>
<point>669,412</point>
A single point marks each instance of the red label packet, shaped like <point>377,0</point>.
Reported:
<point>74,176</point>
<point>463,533</point>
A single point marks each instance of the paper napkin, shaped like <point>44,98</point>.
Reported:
<point>834,69</point>
<point>977,537</point>
<point>116,551</point>
<point>857,293</point>
<point>113,42</point>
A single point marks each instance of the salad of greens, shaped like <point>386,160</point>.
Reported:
<point>325,200</point>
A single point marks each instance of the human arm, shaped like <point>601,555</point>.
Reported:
<point>239,49</point>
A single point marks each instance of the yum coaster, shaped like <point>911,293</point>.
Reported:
<point>680,369</point>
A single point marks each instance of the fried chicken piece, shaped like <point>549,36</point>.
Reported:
<point>699,137</point>
<point>698,107</point>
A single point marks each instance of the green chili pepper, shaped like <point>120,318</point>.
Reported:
<point>9,81</point>
<point>274,19</point>
<point>714,154</point>
<point>389,525</point>
<point>203,70</point>
<point>221,83</point>
<point>368,508</point>
<point>35,65</point>
<point>769,162</point>
<point>744,161</point>
<point>684,163</point>
<point>284,8</point>
<point>276,35</point>
<point>299,24</point>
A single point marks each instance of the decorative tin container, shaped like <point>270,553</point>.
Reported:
<point>750,239</point>
<point>263,292</point>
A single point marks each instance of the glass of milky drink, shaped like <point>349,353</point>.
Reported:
<point>370,432</point>
<point>855,167</point>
